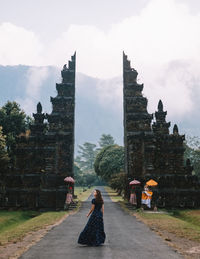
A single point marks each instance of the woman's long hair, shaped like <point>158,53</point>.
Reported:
<point>98,197</point>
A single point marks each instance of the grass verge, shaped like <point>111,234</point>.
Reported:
<point>115,197</point>
<point>181,226</point>
<point>190,216</point>
<point>83,193</point>
<point>15,225</point>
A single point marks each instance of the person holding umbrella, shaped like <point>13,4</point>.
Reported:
<point>133,197</point>
<point>153,183</point>
<point>147,196</point>
<point>147,193</point>
<point>70,181</point>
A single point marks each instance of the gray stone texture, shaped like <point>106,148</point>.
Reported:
<point>46,156</point>
<point>152,152</point>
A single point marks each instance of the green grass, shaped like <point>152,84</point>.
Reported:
<point>83,192</point>
<point>190,216</point>
<point>14,225</point>
<point>113,194</point>
<point>9,219</point>
<point>181,225</point>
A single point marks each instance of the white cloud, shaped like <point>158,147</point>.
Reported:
<point>35,78</point>
<point>178,85</point>
<point>110,93</point>
<point>164,31</point>
<point>106,92</point>
<point>162,41</point>
<point>19,46</point>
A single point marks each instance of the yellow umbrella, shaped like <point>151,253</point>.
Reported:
<point>152,183</point>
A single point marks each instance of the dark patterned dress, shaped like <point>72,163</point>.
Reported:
<point>93,234</point>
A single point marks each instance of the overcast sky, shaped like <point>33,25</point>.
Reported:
<point>40,32</point>
<point>161,38</point>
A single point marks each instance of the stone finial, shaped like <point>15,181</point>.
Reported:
<point>175,130</point>
<point>127,68</point>
<point>73,58</point>
<point>68,72</point>
<point>65,67</point>
<point>71,63</point>
<point>39,108</point>
<point>160,106</point>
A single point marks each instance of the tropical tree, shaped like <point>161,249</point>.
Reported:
<point>86,157</point>
<point>13,121</point>
<point>192,151</point>
<point>78,175</point>
<point>85,160</point>
<point>118,182</point>
<point>109,161</point>
<point>106,140</point>
<point>4,159</point>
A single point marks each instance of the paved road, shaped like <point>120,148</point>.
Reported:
<point>126,238</point>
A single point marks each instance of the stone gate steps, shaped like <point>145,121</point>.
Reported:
<point>71,206</point>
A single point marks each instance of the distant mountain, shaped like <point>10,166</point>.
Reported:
<point>29,85</point>
<point>98,102</point>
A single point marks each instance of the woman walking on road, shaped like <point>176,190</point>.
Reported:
<point>93,233</point>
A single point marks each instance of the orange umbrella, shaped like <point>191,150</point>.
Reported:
<point>152,183</point>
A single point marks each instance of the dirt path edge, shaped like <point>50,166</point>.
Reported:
<point>15,250</point>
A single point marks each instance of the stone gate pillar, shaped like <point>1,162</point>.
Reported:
<point>138,136</point>
<point>59,149</point>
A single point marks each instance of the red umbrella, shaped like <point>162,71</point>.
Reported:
<point>69,179</point>
<point>134,182</point>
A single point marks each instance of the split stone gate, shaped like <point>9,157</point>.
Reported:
<point>46,156</point>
